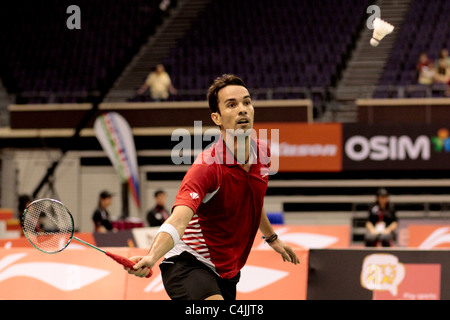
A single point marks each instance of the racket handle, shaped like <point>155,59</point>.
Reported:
<point>125,262</point>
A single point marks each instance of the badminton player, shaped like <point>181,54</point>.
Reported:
<point>219,207</point>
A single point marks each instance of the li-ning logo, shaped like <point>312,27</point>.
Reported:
<point>63,276</point>
<point>439,236</point>
<point>441,142</point>
<point>382,272</point>
<point>304,239</point>
<point>194,195</point>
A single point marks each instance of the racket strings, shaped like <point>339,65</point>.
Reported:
<point>48,225</point>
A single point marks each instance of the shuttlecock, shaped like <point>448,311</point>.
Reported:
<point>381,29</point>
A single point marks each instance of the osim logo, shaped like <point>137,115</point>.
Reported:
<point>380,148</point>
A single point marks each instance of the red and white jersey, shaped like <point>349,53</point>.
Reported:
<point>227,202</point>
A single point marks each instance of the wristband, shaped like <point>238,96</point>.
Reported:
<point>170,229</point>
<point>271,238</point>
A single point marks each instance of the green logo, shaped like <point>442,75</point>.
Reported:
<point>441,142</point>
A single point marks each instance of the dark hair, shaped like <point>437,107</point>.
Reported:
<point>105,194</point>
<point>218,84</point>
<point>158,192</point>
<point>382,192</point>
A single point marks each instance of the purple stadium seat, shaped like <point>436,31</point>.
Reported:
<point>44,55</point>
<point>266,39</point>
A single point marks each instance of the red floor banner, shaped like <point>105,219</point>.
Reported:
<point>79,272</point>
<point>310,236</point>
<point>429,236</point>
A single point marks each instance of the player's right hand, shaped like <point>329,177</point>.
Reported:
<point>141,268</point>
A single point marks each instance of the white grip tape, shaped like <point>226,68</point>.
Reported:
<point>170,229</point>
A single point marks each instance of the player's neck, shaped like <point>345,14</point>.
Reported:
<point>239,146</point>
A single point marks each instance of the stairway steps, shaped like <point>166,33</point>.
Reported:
<point>156,48</point>
<point>367,63</point>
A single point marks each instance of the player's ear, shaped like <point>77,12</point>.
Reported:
<point>215,116</point>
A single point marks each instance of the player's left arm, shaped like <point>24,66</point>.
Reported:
<point>276,243</point>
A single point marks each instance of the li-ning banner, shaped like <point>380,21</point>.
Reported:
<point>79,272</point>
<point>399,147</point>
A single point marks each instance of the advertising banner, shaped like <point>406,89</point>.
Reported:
<point>264,277</point>
<point>75,273</point>
<point>391,147</point>
<point>373,274</point>
<point>429,236</point>
<point>300,147</point>
<point>335,147</point>
<point>267,277</point>
<point>22,242</point>
<point>79,272</point>
<point>310,236</point>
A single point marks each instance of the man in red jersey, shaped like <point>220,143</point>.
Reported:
<point>219,207</point>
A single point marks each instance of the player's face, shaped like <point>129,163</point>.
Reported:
<point>236,109</point>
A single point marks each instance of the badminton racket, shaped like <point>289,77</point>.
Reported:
<point>48,225</point>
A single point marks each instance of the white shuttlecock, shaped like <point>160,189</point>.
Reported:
<point>381,29</point>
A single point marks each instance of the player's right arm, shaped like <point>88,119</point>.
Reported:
<point>163,243</point>
<point>199,180</point>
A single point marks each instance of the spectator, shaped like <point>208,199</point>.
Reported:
<point>443,68</point>
<point>382,223</point>
<point>425,69</point>
<point>159,213</point>
<point>101,216</point>
<point>424,61</point>
<point>443,57</point>
<point>442,74</point>
<point>159,83</point>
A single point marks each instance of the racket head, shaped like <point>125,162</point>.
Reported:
<point>48,225</point>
